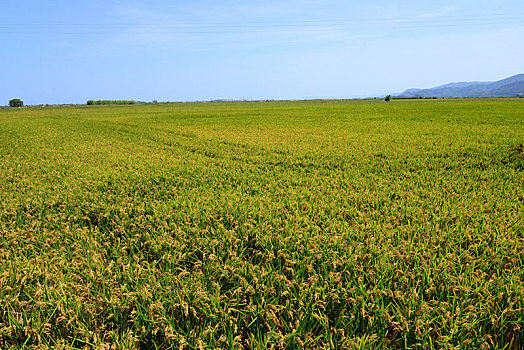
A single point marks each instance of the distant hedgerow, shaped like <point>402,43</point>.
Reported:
<point>111,102</point>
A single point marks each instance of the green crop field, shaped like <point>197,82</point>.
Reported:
<point>314,224</point>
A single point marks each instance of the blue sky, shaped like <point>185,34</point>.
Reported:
<point>71,51</point>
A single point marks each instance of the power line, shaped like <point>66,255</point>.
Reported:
<point>261,27</point>
<point>251,24</point>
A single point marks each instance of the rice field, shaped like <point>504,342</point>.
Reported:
<point>263,225</point>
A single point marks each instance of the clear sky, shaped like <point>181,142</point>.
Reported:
<point>69,51</point>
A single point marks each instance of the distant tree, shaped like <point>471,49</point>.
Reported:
<point>90,102</point>
<point>388,98</point>
<point>16,102</point>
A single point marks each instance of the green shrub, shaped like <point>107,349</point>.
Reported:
<point>16,102</point>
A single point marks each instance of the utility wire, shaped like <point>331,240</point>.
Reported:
<point>261,27</point>
<point>284,23</point>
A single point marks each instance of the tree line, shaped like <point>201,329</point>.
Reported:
<point>111,102</point>
<point>414,97</point>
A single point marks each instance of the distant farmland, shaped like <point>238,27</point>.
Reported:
<point>323,224</point>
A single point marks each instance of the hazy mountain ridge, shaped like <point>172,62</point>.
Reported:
<point>509,87</point>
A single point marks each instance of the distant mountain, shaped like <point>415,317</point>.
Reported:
<point>510,87</point>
